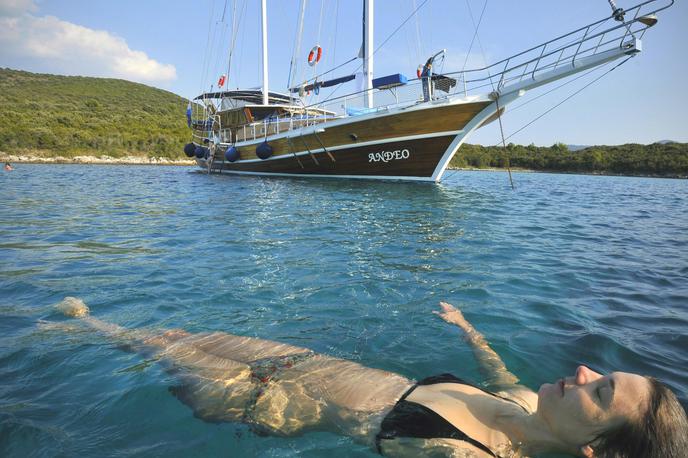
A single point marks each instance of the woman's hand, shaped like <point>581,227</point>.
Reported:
<point>490,363</point>
<point>452,315</point>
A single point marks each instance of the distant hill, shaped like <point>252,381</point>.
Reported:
<point>73,115</point>
<point>657,159</point>
<point>50,115</point>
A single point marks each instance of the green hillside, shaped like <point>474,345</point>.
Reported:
<point>658,159</point>
<point>71,115</point>
<point>50,115</point>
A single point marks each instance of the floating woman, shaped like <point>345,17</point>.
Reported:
<point>284,390</point>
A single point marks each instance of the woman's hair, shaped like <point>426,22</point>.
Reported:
<point>661,432</point>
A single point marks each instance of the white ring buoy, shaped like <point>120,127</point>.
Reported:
<point>315,55</point>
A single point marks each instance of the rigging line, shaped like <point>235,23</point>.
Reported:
<point>224,10</point>
<point>475,34</point>
<point>207,46</point>
<point>569,97</point>
<point>232,40</point>
<point>315,67</point>
<point>215,51</point>
<point>399,27</point>
<point>419,49</point>
<point>506,153</point>
<point>482,51</point>
<point>336,22</point>
<point>511,110</point>
<point>333,69</point>
<point>378,48</point>
<point>214,47</point>
<point>320,21</point>
<point>214,61</point>
<point>410,61</point>
<point>235,34</point>
<point>243,41</point>
<point>297,45</point>
<point>224,28</point>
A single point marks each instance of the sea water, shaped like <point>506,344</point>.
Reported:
<point>561,270</point>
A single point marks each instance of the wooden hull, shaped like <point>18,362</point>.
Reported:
<point>406,158</point>
<point>406,144</point>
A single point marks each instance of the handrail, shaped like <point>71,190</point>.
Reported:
<point>627,26</point>
<point>558,49</point>
<point>567,49</point>
<point>601,21</point>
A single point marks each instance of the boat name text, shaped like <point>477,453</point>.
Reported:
<point>386,156</point>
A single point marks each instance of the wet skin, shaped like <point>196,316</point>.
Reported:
<point>579,408</point>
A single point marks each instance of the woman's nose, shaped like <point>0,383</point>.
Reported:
<point>585,375</point>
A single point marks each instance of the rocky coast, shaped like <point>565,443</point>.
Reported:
<point>38,158</point>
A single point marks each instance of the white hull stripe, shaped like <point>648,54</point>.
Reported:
<point>349,145</point>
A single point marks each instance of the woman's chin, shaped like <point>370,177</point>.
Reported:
<point>545,394</point>
<point>546,389</point>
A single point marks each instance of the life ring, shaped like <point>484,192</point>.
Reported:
<point>419,71</point>
<point>315,55</point>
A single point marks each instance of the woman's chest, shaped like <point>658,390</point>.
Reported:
<point>466,413</point>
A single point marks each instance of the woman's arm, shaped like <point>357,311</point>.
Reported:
<point>491,365</point>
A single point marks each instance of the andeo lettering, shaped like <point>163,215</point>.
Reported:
<point>386,156</point>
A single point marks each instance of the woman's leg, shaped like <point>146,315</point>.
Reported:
<point>284,389</point>
<point>241,349</point>
<point>302,391</point>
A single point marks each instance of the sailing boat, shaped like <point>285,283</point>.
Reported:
<point>407,129</point>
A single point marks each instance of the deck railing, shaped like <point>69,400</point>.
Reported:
<point>568,49</point>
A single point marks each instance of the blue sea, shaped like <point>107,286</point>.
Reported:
<point>562,270</point>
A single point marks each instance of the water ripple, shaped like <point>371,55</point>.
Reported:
<point>564,269</point>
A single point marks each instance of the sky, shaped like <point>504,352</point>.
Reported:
<point>183,47</point>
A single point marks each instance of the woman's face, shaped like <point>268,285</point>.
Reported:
<point>577,409</point>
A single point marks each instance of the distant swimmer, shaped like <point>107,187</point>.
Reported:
<point>285,390</point>
<point>8,167</point>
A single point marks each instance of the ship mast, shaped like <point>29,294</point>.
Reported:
<point>368,51</point>
<point>264,25</point>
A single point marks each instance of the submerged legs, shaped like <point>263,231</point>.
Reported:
<point>279,388</point>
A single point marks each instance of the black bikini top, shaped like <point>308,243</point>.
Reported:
<point>410,419</point>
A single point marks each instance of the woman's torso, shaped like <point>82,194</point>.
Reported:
<point>449,416</point>
<point>304,391</point>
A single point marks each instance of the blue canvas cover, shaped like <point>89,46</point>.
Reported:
<point>389,81</point>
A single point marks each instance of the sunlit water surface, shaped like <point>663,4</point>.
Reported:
<point>564,269</point>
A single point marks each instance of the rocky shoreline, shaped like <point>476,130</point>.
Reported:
<point>87,159</point>
<point>140,160</point>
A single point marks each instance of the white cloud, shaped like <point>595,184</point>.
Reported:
<point>52,45</point>
<point>12,8</point>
